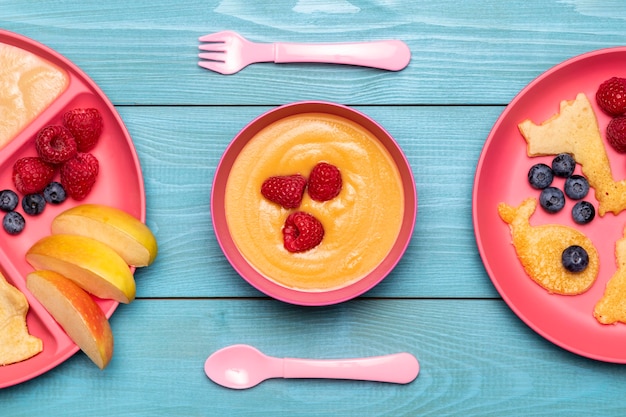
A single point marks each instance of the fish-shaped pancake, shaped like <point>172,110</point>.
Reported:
<point>574,130</point>
<point>539,249</point>
<point>612,306</point>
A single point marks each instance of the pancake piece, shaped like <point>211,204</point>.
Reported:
<point>611,308</point>
<point>28,85</point>
<point>574,130</point>
<point>16,344</point>
<point>539,249</point>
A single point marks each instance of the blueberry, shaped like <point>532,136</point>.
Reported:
<point>583,212</point>
<point>33,204</point>
<point>552,199</point>
<point>54,193</point>
<point>540,176</point>
<point>575,258</point>
<point>8,200</point>
<point>576,187</point>
<point>563,165</point>
<point>13,222</point>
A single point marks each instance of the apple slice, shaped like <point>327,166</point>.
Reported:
<point>76,312</point>
<point>91,264</point>
<point>128,236</point>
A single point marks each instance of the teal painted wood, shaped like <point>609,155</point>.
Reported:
<point>180,147</point>
<point>463,52</point>
<point>477,359</point>
<point>469,60</point>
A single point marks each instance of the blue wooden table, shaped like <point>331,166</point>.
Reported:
<point>469,61</point>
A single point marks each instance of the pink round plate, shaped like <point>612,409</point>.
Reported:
<point>501,176</point>
<point>119,184</point>
<point>292,295</point>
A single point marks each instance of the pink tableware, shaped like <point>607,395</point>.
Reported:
<point>243,366</point>
<point>119,184</point>
<point>501,176</point>
<point>266,284</point>
<point>228,52</point>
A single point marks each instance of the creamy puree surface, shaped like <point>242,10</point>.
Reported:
<point>361,224</point>
<point>28,85</point>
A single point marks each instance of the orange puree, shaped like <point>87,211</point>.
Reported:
<point>28,85</point>
<point>361,224</point>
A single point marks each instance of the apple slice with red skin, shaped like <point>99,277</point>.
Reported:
<point>77,313</point>
<point>91,264</point>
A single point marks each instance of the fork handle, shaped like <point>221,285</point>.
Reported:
<point>392,55</point>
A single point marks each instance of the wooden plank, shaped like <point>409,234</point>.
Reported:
<point>469,61</point>
<point>462,53</point>
<point>179,149</point>
<point>476,359</point>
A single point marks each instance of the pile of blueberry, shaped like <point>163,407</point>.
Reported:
<point>552,199</point>
<point>32,204</point>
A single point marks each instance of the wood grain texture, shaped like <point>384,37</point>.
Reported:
<point>463,52</point>
<point>469,61</point>
<point>476,357</point>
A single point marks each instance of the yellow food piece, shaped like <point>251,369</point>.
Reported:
<point>28,85</point>
<point>125,234</point>
<point>361,224</point>
<point>77,313</point>
<point>16,344</point>
<point>574,130</point>
<point>611,308</point>
<point>91,264</point>
<point>539,249</point>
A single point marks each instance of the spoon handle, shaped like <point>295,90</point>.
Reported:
<point>399,368</point>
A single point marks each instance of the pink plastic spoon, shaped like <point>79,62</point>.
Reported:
<point>243,366</point>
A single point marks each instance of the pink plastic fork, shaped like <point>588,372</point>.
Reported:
<point>228,52</point>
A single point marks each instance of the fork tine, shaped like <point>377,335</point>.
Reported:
<point>210,65</point>
<point>213,47</point>
<point>215,56</point>
<point>215,66</point>
<point>213,37</point>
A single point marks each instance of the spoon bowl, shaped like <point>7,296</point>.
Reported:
<point>243,366</point>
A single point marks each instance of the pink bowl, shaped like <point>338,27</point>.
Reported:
<point>268,286</point>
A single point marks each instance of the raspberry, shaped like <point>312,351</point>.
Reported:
<point>55,144</point>
<point>611,96</point>
<point>85,125</point>
<point>78,175</point>
<point>31,174</point>
<point>616,133</point>
<point>301,232</point>
<point>324,182</point>
<point>286,190</point>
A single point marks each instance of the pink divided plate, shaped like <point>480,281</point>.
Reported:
<point>269,287</point>
<point>501,176</point>
<point>119,184</point>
